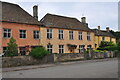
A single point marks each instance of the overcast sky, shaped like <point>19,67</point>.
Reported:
<point>97,13</point>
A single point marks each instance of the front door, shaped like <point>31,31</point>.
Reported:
<point>72,50</point>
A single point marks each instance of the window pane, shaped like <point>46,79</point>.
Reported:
<point>7,33</point>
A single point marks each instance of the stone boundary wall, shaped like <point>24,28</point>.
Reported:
<point>51,58</point>
<point>25,60</point>
<point>68,57</point>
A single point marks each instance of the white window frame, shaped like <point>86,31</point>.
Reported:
<point>61,34</point>
<point>22,33</point>
<point>61,49</point>
<point>80,48</point>
<point>80,35</point>
<point>36,34</point>
<point>49,33</point>
<point>7,32</point>
<point>71,35</point>
<point>50,48</point>
<point>88,36</point>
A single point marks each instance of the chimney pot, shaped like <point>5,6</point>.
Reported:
<point>35,11</point>
<point>98,27</point>
<point>83,19</point>
<point>107,29</point>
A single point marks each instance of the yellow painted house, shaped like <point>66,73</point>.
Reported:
<point>103,35</point>
<point>61,34</point>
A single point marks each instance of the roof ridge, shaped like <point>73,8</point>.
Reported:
<point>61,16</point>
<point>9,3</point>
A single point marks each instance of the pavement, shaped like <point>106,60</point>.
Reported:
<point>53,64</point>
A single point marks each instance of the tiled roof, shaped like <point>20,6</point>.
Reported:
<point>102,33</point>
<point>14,13</point>
<point>57,21</point>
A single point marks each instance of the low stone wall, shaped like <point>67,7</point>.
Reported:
<point>103,55</point>
<point>51,58</point>
<point>68,57</point>
<point>25,60</point>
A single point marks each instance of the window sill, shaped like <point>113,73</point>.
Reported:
<point>36,39</point>
<point>61,39</point>
<point>6,37</point>
<point>49,39</point>
<point>23,38</point>
<point>88,40</point>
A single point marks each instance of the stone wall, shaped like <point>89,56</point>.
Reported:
<point>68,57</point>
<point>25,60</point>
<point>51,58</point>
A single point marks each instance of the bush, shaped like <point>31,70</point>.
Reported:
<point>109,46</point>
<point>11,48</point>
<point>39,52</point>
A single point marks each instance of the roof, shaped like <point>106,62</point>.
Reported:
<point>14,13</point>
<point>103,33</point>
<point>57,21</point>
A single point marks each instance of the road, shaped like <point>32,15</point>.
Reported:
<point>102,69</point>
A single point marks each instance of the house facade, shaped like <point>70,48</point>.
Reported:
<point>60,34</point>
<point>20,25</point>
<point>103,35</point>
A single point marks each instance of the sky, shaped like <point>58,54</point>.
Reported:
<point>104,14</point>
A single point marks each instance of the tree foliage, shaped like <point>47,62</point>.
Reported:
<point>116,34</point>
<point>12,49</point>
<point>118,46</point>
<point>109,46</point>
<point>38,52</point>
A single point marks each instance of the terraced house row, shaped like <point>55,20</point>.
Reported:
<point>58,34</point>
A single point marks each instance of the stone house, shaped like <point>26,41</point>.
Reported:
<point>58,34</point>
<point>103,35</point>
<point>61,34</point>
<point>20,25</point>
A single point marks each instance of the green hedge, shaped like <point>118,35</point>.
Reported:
<point>39,52</point>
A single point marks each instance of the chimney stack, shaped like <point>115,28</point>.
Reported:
<point>107,29</point>
<point>98,27</point>
<point>35,11</point>
<point>83,19</point>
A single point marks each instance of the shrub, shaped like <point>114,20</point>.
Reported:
<point>38,52</point>
<point>11,48</point>
<point>109,46</point>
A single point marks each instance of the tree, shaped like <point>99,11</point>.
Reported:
<point>11,48</point>
<point>118,46</point>
<point>39,52</point>
<point>109,46</point>
<point>116,34</point>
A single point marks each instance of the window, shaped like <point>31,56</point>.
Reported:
<point>110,39</point>
<point>61,48</point>
<point>22,50</point>
<point>49,48</point>
<point>89,46</point>
<point>88,35</point>
<point>4,49</point>
<point>71,35</point>
<point>80,35</point>
<point>103,38</point>
<point>7,33</point>
<point>81,47</point>
<point>60,34</point>
<point>49,33</point>
<point>36,34</point>
<point>22,33</point>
